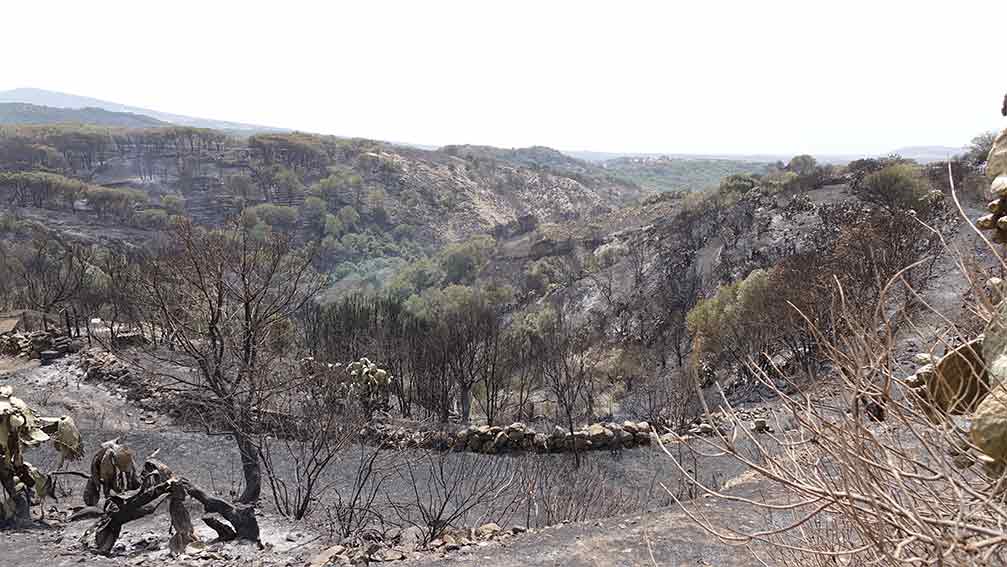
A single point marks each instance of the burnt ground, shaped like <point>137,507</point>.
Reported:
<point>667,537</point>
<point>632,489</point>
<point>650,530</point>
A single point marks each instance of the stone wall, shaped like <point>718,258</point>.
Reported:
<point>516,437</point>
<point>44,345</point>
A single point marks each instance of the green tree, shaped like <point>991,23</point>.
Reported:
<point>462,262</point>
<point>349,217</point>
<point>897,187</point>
<point>803,165</point>
<point>314,212</point>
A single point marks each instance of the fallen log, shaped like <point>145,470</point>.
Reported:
<point>119,511</point>
<point>241,516</point>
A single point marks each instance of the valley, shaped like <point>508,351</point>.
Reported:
<point>479,356</point>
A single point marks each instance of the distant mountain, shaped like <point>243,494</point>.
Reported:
<point>54,99</point>
<point>24,113</point>
<point>922,154</point>
<point>927,154</point>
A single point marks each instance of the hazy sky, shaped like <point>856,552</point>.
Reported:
<point>673,76</point>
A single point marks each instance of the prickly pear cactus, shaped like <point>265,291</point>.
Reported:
<point>367,384</point>
<point>20,429</point>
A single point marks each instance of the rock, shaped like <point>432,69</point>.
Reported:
<point>500,442</point>
<point>989,426</point>
<point>391,555</point>
<point>760,425</point>
<point>518,529</point>
<point>629,426</point>
<point>625,438</point>
<point>599,435</point>
<point>410,538</point>
<point>923,358</point>
<point>488,530</point>
<point>325,556</point>
<point>995,288</point>
<point>957,382</point>
<point>541,442</point>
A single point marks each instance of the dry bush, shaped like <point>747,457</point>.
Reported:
<point>848,489</point>
<point>448,489</point>
<point>356,507</point>
<point>554,491</point>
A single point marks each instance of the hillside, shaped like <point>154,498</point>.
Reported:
<point>24,113</point>
<point>372,206</point>
<point>542,324</point>
<point>42,97</point>
<point>677,174</point>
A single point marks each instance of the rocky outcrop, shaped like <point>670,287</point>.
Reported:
<point>988,430</point>
<point>996,169</point>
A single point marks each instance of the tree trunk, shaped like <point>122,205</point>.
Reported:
<point>465,397</point>
<point>250,468</point>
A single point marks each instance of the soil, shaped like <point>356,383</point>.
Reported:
<point>102,411</point>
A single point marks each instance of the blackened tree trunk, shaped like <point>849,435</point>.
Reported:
<point>250,468</point>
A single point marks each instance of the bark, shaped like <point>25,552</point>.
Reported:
<point>466,401</point>
<point>224,531</point>
<point>242,517</point>
<point>250,468</point>
<point>180,520</point>
<point>119,512</point>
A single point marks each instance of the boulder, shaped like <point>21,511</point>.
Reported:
<point>625,438</point>
<point>501,442</point>
<point>957,382</point>
<point>487,530</point>
<point>599,435</point>
<point>996,162</point>
<point>989,426</point>
<point>325,556</point>
<point>541,442</point>
<point>410,538</point>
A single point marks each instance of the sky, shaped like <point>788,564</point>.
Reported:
<point>780,77</point>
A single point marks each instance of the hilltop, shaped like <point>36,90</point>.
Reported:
<point>24,113</point>
<point>42,97</point>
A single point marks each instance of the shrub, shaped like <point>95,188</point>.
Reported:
<point>896,187</point>
<point>276,216</point>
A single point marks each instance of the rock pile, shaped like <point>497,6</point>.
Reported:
<point>988,429</point>
<point>102,365</point>
<point>718,421</point>
<point>996,167</point>
<point>44,345</point>
<point>400,544</point>
<point>516,437</point>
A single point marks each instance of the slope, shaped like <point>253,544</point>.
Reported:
<point>55,99</point>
